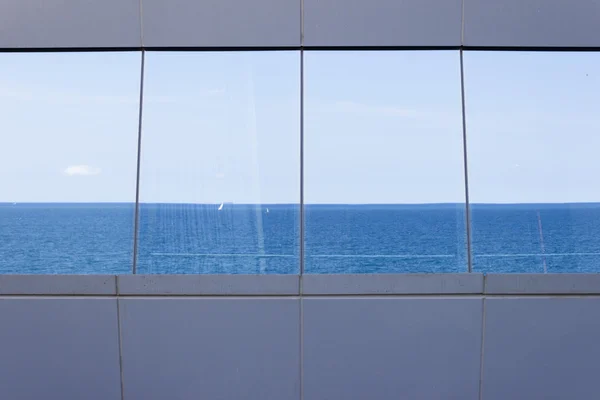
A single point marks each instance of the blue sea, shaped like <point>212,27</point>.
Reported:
<point>249,239</point>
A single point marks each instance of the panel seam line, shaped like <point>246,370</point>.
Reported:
<point>481,355</point>
<point>120,338</point>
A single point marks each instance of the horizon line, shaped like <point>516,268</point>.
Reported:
<point>297,204</point>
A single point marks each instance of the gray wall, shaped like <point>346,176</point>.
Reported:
<point>344,337</point>
<point>315,337</point>
<point>273,23</point>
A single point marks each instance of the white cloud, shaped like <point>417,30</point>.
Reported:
<point>81,170</point>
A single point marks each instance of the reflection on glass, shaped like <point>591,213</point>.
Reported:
<point>68,134</point>
<point>532,124</point>
<point>219,186</point>
<point>384,177</point>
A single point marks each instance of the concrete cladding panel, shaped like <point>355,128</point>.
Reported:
<point>382,22</point>
<point>211,348</point>
<point>58,285</point>
<point>218,23</point>
<point>203,285</point>
<point>59,348</point>
<point>69,23</point>
<point>542,284</point>
<point>532,23</point>
<point>392,348</point>
<point>541,348</point>
<point>385,284</point>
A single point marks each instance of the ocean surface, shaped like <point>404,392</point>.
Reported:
<point>199,239</point>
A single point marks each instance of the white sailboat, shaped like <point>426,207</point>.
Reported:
<point>221,206</point>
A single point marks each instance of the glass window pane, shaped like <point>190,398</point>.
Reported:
<point>68,128</point>
<point>384,176</point>
<point>219,186</point>
<point>532,124</point>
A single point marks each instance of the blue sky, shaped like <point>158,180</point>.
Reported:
<point>380,127</point>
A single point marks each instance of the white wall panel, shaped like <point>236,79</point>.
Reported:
<point>59,348</point>
<point>211,348</point>
<point>532,23</point>
<point>541,348</point>
<point>215,23</point>
<point>382,22</point>
<point>69,23</point>
<point>392,348</point>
